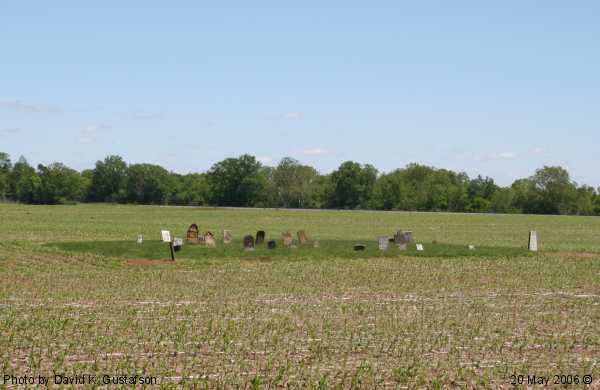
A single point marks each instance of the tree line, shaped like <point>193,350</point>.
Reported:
<point>245,182</point>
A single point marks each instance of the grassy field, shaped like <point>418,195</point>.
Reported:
<point>70,303</point>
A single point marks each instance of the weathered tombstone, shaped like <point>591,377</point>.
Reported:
<point>408,237</point>
<point>260,237</point>
<point>248,243</point>
<point>471,247</point>
<point>272,244</point>
<point>383,243</point>
<point>177,244</point>
<point>420,247</point>
<point>302,238</point>
<point>140,239</point>
<point>401,247</point>
<point>227,237</point>
<point>359,247</point>
<point>165,236</point>
<point>192,233</point>
<point>209,240</point>
<point>287,239</point>
<point>316,244</point>
<point>399,237</point>
<point>533,241</point>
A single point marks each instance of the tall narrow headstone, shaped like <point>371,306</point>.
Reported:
<point>383,243</point>
<point>209,240</point>
<point>302,238</point>
<point>248,243</point>
<point>533,241</point>
<point>286,237</point>
<point>192,233</point>
<point>260,237</point>
<point>227,237</point>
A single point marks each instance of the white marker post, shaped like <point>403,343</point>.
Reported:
<point>533,241</point>
<point>165,236</point>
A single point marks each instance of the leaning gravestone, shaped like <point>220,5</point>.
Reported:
<point>248,243</point>
<point>209,240</point>
<point>272,244</point>
<point>192,233</point>
<point>227,237</point>
<point>302,238</point>
<point>260,237</point>
<point>533,241</point>
<point>286,237</point>
<point>383,243</point>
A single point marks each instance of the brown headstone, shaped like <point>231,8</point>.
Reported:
<point>287,239</point>
<point>302,239</point>
<point>227,237</point>
<point>209,240</point>
<point>260,237</point>
<point>192,233</point>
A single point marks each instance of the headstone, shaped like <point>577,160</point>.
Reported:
<point>286,237</point>
<point>260,237</point>
<point>227,237</point>
<point>401,247</point>
<point>177,244</point>
<point>165,236</point>
<point>533,241</point>
<point>316,244</point>
<point>471,247</point>
<point>302,238</point>
<point>383,243</point>
<point>420,247</point>
<point>359,247</point>
<point>408,237</point>
<point>272,244</point>
<point>248,243</point>
<point>209,240</point>
<point>140,239</point>
<point>192,233</point>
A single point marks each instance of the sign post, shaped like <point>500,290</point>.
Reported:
<point>165,236</point>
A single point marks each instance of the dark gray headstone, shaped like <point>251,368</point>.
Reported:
<point>272,244</point>
<point>248,243</point>
<point>359,247</point>
<point>260,237</point>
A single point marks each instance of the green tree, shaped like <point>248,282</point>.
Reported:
<point>236,182</point>
<point>352,185</point>
<point>59,184</point>
<point>149,184</point>
<point>390,192</point>
<point>24,182</point>
<point>108,182</point>
<point>502,201</point>
<point>191,189</point>
<point>295,184</point>
<point>5,168</point>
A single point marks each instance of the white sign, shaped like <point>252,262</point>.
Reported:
<point>165,235</point>
<point>533,243</point>
<point>471,247</point>
<point>140,239</point>
<point>420,247</point>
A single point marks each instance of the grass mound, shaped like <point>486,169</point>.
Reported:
<point>326,249</point>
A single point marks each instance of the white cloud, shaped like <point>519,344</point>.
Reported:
<point>89,133</point>
<point>294,115</point>
<point>266,160</point>
<point>315,152</point>
<point>504,156</point>
<point>18,105</point>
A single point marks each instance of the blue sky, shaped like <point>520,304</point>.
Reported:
<point>497,88</point>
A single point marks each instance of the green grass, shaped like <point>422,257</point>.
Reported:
<point>327,249</point>
<point>301,318</point>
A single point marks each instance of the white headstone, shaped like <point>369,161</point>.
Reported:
<point>383,243</point>
<point>420,247</point>
<point>140,239</point>
<point>533,241</point>
<point>178,242</point>
<point>165,236</point>
<point>471,247</point>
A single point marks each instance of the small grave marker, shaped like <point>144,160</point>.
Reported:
<point>401,247</point>
<point>533,241</point>
<point>316,244</point>
<point>471,247</point>
<point>248,243</point>
<point>359,247</point>
<point>209,240</point>
<point>302,238</point>
<point>286,237</point>
<point>140,239</point>
<point>227,237</point>
<point>272,244</point>
<point>177,244</point>
<point>408,236</point>
<point>260,237</point>
<point>383,243</point>
<point>165,236</point>
<point>420,247</point>
<point>192,233</point>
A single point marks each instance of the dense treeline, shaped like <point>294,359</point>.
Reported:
<point>245,182</point>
